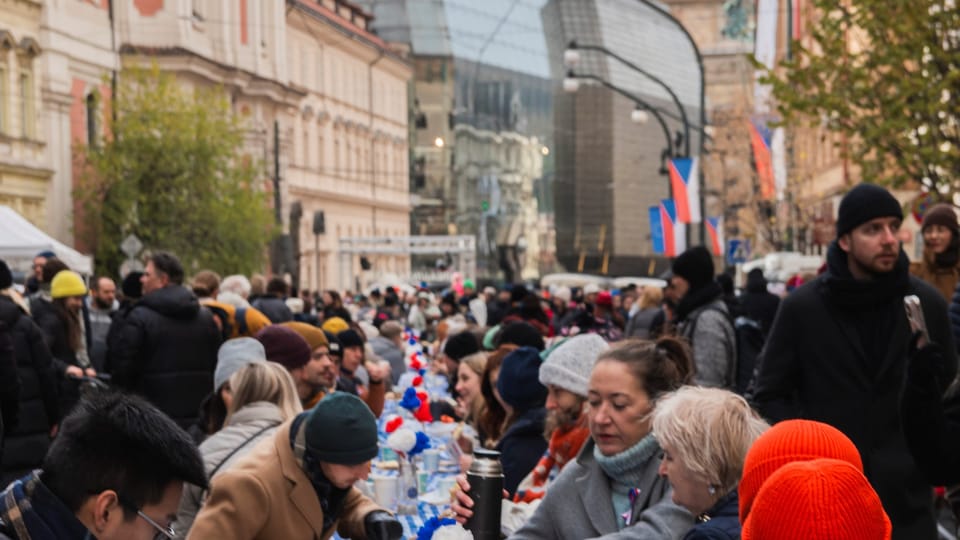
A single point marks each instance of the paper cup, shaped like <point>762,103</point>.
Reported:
<point>385,490</point>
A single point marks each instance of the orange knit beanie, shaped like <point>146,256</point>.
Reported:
<point>788,441</point>
<point>823,498</point>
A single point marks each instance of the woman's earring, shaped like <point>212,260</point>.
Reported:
<point>712,490</point>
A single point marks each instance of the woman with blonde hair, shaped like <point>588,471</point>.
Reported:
<point>470,402</point>
<point>259,397</point>
<point>647,308</point>
<point>705,434</point>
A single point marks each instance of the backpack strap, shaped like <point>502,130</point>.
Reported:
<point>232,453</point>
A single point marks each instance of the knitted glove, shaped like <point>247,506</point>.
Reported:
<point>381,525</point>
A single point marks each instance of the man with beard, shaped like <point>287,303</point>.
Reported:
<point>101,305</point>
<point>318,376</point>
<point>565,373</point>
<point>838,351</point>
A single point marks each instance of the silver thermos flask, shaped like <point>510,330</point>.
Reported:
<point>486,489</point>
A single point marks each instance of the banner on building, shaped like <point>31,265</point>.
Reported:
<point>762,159</point>
<point>715,230</point>
<point>674,231</point>
<point>685,181</point>
<point>656,231</point>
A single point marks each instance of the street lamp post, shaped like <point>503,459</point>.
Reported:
<point>639,115</point>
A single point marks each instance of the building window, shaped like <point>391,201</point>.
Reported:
<point>92,120</point>
<point>320,148</point>
<point>27,114</point>
<point>306,147</point>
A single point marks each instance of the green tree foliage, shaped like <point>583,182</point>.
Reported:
<point>884,73</point>
<point>172,171</point>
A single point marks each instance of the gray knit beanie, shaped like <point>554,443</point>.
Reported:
<point>569,365</point>
<point>233,355</point>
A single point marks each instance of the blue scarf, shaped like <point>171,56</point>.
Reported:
<point>30,511</point>
<point>625,471</point>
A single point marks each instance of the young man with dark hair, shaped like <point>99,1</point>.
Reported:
<point>165,348</point>
<point>115,471</point>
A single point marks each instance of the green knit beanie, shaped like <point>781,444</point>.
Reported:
<point>342,430</point>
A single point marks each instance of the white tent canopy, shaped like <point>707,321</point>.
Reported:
<point>21,241</point>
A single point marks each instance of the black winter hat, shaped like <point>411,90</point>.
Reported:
<point>341,430</point>
<point>349,338</point>
<point>522,334</point>
<point>461,345</point>
<point>694,265</point>
<point>131,286</point>
<point>6,277</point>
<point>333,344</point>
<point>519,379</point>
<point>863,203</point>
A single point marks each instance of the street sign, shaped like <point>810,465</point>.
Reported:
<point>738,251</point>
<point>131,245</point>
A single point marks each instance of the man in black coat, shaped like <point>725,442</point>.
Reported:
<point>166,346</point>
<point>838,349</point>
<point>26,441</point>
<point>757,302</point>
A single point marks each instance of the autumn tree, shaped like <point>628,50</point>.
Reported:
<point>172,171</point>
<point>883,73</point>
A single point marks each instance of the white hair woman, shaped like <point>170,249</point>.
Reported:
<point>705,434</point>
<point>259,397</point>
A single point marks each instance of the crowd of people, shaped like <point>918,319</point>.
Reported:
<point>238,407</point>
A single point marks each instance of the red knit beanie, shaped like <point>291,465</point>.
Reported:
<point>823,498</point>
<point>788,441</point>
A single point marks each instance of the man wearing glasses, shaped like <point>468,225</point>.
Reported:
<point>115,472</point>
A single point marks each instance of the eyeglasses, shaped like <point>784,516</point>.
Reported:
<point>163,533</point>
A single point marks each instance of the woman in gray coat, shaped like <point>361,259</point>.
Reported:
<point>613,489</point>
<point>259,397</point>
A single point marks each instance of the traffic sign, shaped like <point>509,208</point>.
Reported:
<point>738,251</point>
<point>131,245</point>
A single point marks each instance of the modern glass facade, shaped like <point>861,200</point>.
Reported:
<point>502,153</point>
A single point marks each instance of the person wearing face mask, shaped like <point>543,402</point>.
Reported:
<point>705,434</point>
<point>613,490</point>
<point>941,250</point>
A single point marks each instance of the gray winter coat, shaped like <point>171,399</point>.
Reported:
<point>389,351</point>
<point>714,344</point>
<point>579,505</point>
<point>251,424</point>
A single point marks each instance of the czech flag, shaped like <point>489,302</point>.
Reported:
<point>763,159</point>
<point>685,181</point>
<point>674,231</point>
<point>715,230</point>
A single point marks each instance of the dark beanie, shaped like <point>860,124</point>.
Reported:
<point>521,334</point>
<point>518,293</point>
<point>939,214</point>
<point>694,265</point>
<point>333,344</point>
<point>863,203</point>
<point>131,286</point>
<point>341,430</point>
<point>284,346</point>
<point>6,278</point>
<point>349,338</point>
<point>519,379</point>
<point>461,345</point>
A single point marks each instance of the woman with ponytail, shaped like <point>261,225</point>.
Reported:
<point>613,487</point>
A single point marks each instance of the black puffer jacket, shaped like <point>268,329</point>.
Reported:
<point>274,308</point>
<point>758,303</point>
<point>165,349</point>
<point>27,443</point>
